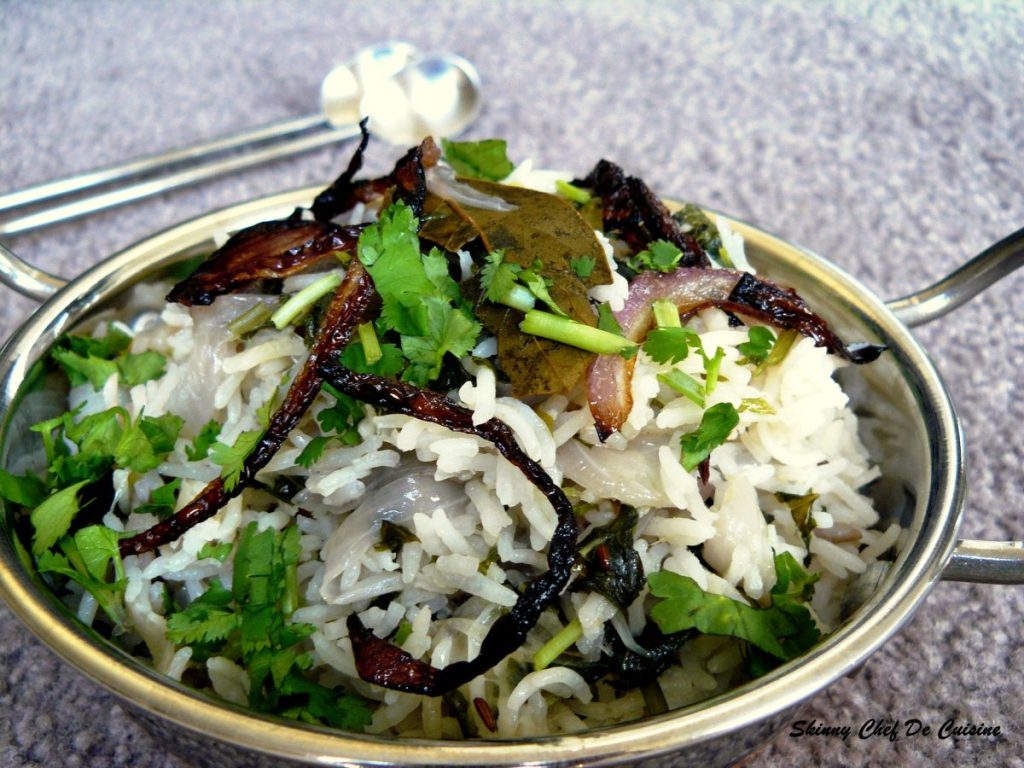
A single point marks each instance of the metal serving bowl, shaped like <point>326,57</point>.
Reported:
<point>908,422</point>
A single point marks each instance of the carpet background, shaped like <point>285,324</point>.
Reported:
<point>886,135</point>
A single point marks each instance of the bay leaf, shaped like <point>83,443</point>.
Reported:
<point>544,233</point>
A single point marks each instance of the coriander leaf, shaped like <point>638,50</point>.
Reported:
<point>26,490</point>
<point>209,618</point>
<point>147,442</point>
<point>97,433</point>
<point>162,500</point>
<point>390,250</point>
<point>97,546</point>
<point>583,266</point>
<point>660,256</point>
<point>343,418</point>
<point>314,449</point>
<point>716,425</point>
<point>219,552</point>
<point>670,345</point>
<point>449,330</point>
<point>538,286</point>
<point>161,431</point>
<point>684,605</point>
<point>487,159</point>
<point>391,362</point>
<point>325,706</point>
<point>759,343</point>
<point>606,319</point>
<point>800,508</point>
<point>202,442</point>
<point>498,277</point>
<point>435,266</point>
<point>79,368</point>
<point>53,517</point>
<point>108,347</point>
<point>110,597</point>
<point>791,580</point>
<point>685,385</point>
<point>141,367</point>
<point>232,457</point>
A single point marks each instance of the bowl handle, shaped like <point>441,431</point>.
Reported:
<point>26,279</point>
<point>989,562</point>
<point>985,269</point>
<point>986,562</point>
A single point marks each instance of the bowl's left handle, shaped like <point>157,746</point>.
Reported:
<point>26,279</point>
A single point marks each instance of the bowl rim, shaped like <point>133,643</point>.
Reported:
<point>915,571</point>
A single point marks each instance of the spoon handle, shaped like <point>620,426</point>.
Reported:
<point>194,153</point>
<point>191,175</point>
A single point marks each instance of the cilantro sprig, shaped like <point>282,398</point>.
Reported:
<point>504,282</point>
<point>782,631</point>
<point>487,159</point>
<point>85,358</point>
<point>659,256</point>
<point>250,622</point>
<point>422,304</point>
<point>716,425</point>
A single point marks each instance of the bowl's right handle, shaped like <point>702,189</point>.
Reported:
<point>985,269</point>
<point>26,279</point>
<point>993,562</point>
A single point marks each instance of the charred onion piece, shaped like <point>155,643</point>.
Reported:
<point>282,248</point>
<point>266,250</point>
<point>785,309</point>
<point>632,210</point>
<point>407,178</point>
<point>693,289</point>
<point>341,195</point>
<point>345,311</point>
<point>380,662</point>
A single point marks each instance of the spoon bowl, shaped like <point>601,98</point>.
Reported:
<point>435,96</point>
<point>406,96</point>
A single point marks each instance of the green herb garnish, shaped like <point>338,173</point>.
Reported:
<point>487,159</point>
<point>784,630</point>
<point>716,425</point>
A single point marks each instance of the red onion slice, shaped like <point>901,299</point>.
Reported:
<point>692,289</point>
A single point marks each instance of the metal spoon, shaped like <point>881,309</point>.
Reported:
<point>404,95</point>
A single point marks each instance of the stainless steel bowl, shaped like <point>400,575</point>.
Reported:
<point>908,422</point>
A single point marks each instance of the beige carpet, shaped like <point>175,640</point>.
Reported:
<point>886,135</point>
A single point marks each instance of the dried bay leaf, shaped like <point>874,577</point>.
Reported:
<point>544,233</point>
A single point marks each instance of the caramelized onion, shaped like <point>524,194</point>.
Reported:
<point>345,311</point>
<point>692,289</point>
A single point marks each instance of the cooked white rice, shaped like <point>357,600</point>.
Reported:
<point>805,441</point>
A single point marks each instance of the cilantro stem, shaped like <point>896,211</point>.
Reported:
<point>574,333</point>
<point>666,314</point>
<point>554,647</point>
<point>518,297</point>
<point>288,312</point>
<point>290,598</point>
<point>572,192</point>
<point>251,320</point>
<point>371,344</point>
